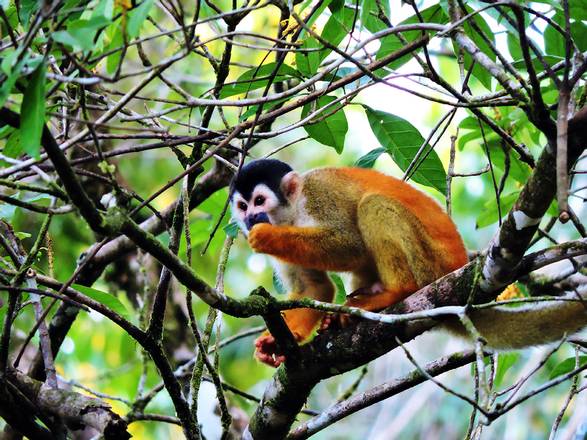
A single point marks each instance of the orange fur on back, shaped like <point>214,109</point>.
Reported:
<point>437,223</point>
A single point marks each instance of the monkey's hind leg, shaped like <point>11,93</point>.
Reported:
<point>305,283</point>
<point>396,241</point>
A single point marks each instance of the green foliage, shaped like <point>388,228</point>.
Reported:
<point>81,34</point>
<point>567,365</point>
<point>369,159</point>
<point>32,113</point>
<point>392,43</point>
<point>505,361</point>
<point>331,126</point>
<point>258,78</point>
<point>136,18</point>
<point>370,10</point>
<point>490,214</point>
<point>402,141</point>
<point>340,294</point>
<point>106,48</point>
<point>104,298</point>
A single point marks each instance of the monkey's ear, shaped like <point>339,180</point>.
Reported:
<point>291,185</point>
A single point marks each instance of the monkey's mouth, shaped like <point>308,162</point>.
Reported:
<point>252,220</point>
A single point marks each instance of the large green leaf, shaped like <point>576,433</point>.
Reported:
<point>330,131</point>
<point>32,113</point>
<point>103,298</point>
<point>402,141</point>
<point>257,78</point>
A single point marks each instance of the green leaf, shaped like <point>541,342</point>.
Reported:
<point>116,41</point>
<point>369,12</point>
<point>32,113</point>
<point>567,366</point>
<point>391,43</point>
<point>231,229</point>
<point>489,214</point>
<point>577,9</point>
<point>519,170</point>
<point>136,17</point>
<point>479,72</point>
<point>308,62</point>
<point>504,362</point>
<point>514,46</point>
<point>335,29</point>
<point>330,131</point>
<point>103,298</point>
<point>7,211</point>
<point>105,9</point>
<point>278,284</point>
<point>402,141</point>
<point>27,8</point>
<point>257,78</point>
<point>8,83</point>
<point>554,42</point>
<point>13,147</point>
<point>80,34</point>
<point>6,131</point>
<point>340,295</point>
<point>369,159</point>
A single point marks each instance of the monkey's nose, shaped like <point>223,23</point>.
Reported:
<point>253,219</point>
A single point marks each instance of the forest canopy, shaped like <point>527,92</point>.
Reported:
<point>129,298</point>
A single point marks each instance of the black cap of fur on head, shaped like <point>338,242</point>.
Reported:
<point>266,171</point>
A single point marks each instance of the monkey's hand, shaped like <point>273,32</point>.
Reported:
<point>261,238</point>
<point>266,350</point>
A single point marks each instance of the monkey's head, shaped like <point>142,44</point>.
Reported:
<point>264,191</point>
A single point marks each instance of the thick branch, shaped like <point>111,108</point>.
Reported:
<point>75,409</point>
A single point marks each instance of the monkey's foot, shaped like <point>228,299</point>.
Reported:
<point>329,321</point>
<point>267,352</point>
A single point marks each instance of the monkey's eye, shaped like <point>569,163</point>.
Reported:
<point>242,206</point>
<point>259,200</point>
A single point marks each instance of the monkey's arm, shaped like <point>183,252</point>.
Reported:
<point>311,247</point>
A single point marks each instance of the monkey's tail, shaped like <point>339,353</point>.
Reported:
<point>534,324</point>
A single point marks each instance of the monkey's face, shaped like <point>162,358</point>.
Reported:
<point>261,207</point>
<point>265,191</point>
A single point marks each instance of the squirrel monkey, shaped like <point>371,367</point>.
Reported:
<point>391,237</point>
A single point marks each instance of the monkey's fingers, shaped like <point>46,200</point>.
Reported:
<point>332,321</point>
<point>267,351</point>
